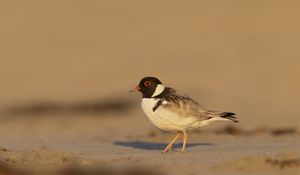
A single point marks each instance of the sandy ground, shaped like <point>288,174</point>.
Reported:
<point>123,143</point>
<point>66,67</point>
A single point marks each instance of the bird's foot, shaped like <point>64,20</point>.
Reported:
<point>167,149</point>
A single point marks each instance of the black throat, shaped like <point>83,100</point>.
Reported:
<point>148,93</point>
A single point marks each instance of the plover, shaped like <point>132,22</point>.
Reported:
<point>171,110</point>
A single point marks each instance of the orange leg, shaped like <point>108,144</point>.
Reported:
<point>169,147</point>
<point>184,140</point>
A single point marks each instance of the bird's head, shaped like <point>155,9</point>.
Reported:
<point>149,87</point>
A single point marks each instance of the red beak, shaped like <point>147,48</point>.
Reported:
<point>136,89</point>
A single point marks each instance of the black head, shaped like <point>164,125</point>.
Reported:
<point>147,86</point>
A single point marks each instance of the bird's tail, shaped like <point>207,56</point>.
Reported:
<point>225,116</point>
<point>229,115</point>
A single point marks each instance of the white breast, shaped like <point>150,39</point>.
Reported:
<point>165,119</point>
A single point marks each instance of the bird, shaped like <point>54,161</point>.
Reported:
<point>173,111</point>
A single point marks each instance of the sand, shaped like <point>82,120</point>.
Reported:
<point>116,143</point>
<point>66,68</point>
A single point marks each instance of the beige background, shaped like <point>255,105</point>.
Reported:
<point>241,56</point>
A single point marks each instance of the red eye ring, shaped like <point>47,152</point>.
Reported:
<point>147,83</point>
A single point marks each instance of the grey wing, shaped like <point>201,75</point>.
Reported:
<point>184,105</point>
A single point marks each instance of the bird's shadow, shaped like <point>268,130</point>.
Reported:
<point>155,145</point>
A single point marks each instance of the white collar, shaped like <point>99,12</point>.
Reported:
<point>158,90</point>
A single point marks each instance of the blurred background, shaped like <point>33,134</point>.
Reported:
<point>74,62</point>
<point>236,56</point>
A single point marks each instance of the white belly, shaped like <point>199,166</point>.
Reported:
<point>166,120</point>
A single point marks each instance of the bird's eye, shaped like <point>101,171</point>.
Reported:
<point>147,83</point>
